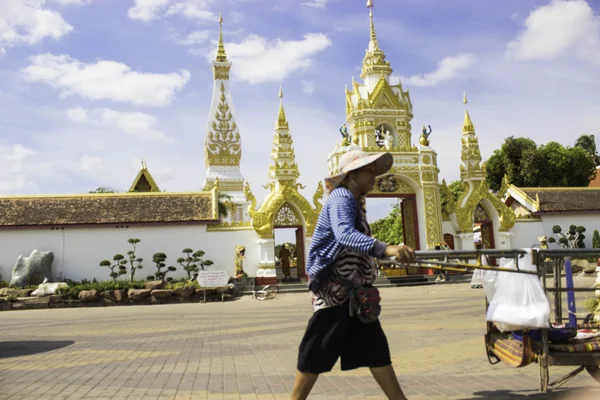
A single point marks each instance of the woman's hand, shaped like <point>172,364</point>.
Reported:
<point>403,254</point>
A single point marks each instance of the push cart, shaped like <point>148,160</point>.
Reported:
<point>570,339</point>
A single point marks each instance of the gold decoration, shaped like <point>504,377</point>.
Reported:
<point>428,176</point>
<point>221,72</point>
<point>480,191</point>
<point>230,226</point>
<point>286,216</point>
<point>426,159</point>
<point>263,219</point>
<point>392,184</point>
<point>433,218</point>
<point>221,56</point>
<point>144,182</point>
<point>384,97</point>
<point>223,144</point>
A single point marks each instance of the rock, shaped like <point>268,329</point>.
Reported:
<point>56,298</point>
<point>152,285</point>
<point>162,294</point>
<point>86,296</point>
<point>109,295</point>
<point>184,292</point>
<point>138,294</point>
<point>120,295</point>
<point>33,270</point>
<point>46,289</point>
<point>6,292</point>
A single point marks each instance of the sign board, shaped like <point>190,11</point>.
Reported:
<point>213,278</point>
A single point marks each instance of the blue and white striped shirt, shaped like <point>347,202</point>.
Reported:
<point>336,231</point>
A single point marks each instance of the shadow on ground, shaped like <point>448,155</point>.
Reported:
<point>584,393</point>
<point>26,348</point>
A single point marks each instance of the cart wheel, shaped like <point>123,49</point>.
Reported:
<point>594,371</point>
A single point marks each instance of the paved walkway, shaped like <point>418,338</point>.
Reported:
<point>247,350</point>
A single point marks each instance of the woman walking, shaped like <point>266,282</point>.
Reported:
<point>342,271</point>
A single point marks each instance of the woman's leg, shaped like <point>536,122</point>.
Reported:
<point>303,385</point>
<point>388,381</point>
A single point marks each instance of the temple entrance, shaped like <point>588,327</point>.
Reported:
<point>393,219</point>
<point>288,235</point>
<point>483,229</point>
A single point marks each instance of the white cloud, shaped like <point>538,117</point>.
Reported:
<point>136,124</point>
<point>13,161</point>
<point>308,87</point>
<point>257,60</point>
<point>148,10</point>
<point>72,2</point>
<point>91,163</point>
<point>28,22</point>
<point>449,68</point>
<point>105,80</point>
<point>316,3</point>
<point>78,114</point>
<point>196,37</point>
<point>557,29</point>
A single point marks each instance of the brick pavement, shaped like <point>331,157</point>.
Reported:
<point>247,350</point>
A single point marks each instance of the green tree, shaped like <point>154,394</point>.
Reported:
<point>588,143</point>
<point>572,239</point>
<point>389,229</point>
<point>527,165</point>
<point>105,189</point>
<point>159,259</point>
<point>596,239</point>
<point>134,262</point>
<point>192,262</point>
<point>456,188</point>
<point>224,205</point>
<point>119,262</point>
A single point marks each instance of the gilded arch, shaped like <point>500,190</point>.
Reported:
<point>475,192</point>
<point>283,195</point>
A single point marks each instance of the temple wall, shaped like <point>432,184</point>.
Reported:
<point>525,233</point>
<point>78,251</point>
<point>590,221</point>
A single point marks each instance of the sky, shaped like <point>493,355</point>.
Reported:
<point>89,88</point>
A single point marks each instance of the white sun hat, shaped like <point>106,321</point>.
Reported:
<point>355,159</point>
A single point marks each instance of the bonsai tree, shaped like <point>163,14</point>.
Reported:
<point>119,262</point>
<point>191,262</point>
<point>159,259</point>
<point>572,239</point>
<point>133,260</point>
<point>596,239</point>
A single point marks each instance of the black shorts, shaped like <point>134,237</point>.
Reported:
<point>332,333</point>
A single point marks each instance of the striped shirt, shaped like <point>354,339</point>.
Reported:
<point>342,249</point>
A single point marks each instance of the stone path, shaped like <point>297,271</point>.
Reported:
<point>247,350</point>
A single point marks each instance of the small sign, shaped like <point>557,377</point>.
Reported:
<point>213,278</point>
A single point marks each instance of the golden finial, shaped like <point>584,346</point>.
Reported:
<point>282,122</point>
<point>374,43</point>
<point>221,56</point>
<point>465,98</point>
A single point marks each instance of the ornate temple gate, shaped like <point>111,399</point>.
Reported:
<point>287,218</point>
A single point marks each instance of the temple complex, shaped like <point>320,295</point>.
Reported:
<point>237,230</point>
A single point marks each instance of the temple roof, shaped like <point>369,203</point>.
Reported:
<point>109,208</point>
<point>565,199</point>
<point>144,182</point>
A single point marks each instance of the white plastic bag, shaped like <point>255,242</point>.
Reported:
<point>518,300</point>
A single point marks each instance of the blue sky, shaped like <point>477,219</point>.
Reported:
<point>90,87</point>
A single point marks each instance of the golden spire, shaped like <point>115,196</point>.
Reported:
<point>374,61</point>
<point>467,124</point>
<point>221,56</point>
<point>373,44</point>
<point>282,122</point>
